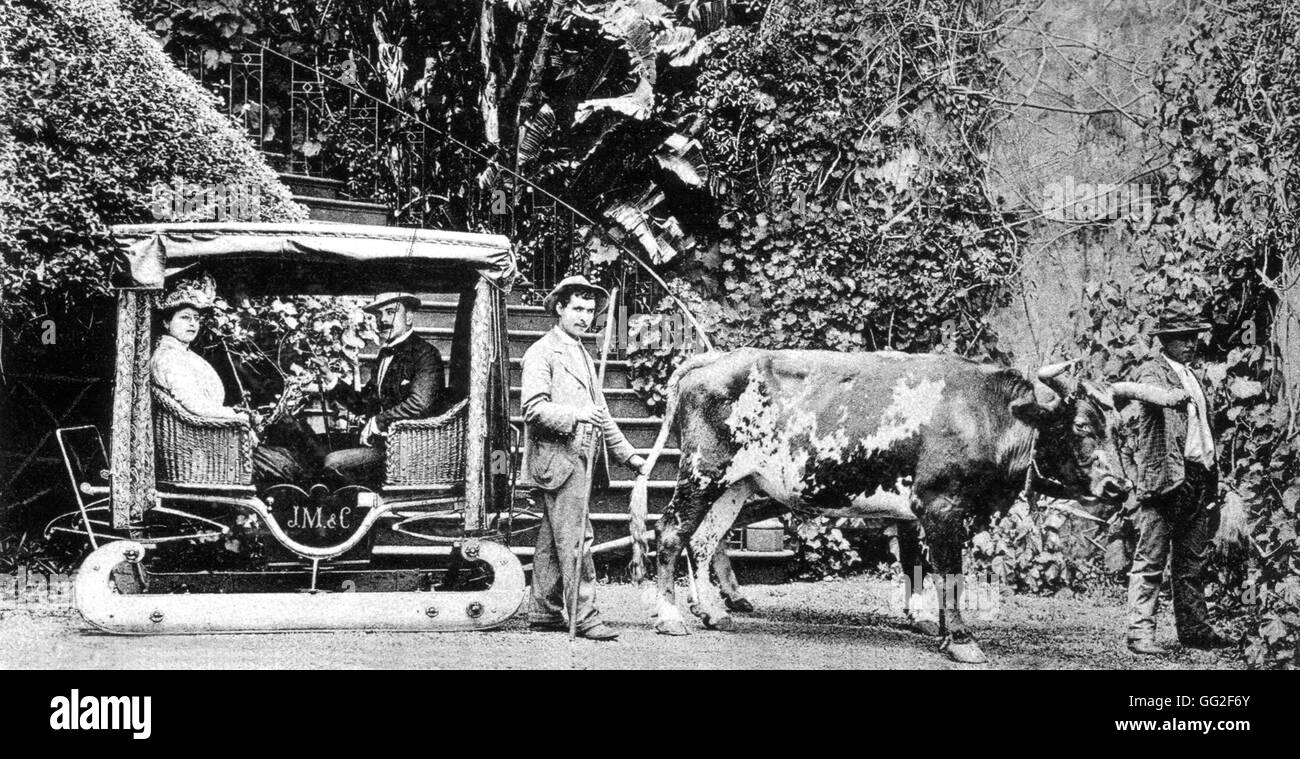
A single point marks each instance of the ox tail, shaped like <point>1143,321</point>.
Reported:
<point>638,504</point>
<point>1233,526</point>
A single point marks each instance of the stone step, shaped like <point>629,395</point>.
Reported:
<point>621,401</point>
<point>522,339</point>
<point>665,467</point>
<point>614,498</point>
<point>519,342</point>
<point>305,186</point>
<point>438,306</point>
<point>344,211</point>
<point>534,318</point>
<point>640,432</point>
<point>616,373</point>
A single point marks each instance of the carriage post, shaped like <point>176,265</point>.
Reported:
<point>482,354</point>
<point>133,489</point>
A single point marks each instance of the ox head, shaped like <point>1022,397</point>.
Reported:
<point>1076,455</point>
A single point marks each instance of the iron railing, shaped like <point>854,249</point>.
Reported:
<point>307,122</point>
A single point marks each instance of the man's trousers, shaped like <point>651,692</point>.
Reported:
<point>275,465</point>
<point>1177,525</point>
<point>363,465</point>
<point>554,575</point>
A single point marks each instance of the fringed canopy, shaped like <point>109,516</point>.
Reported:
<point>313,258</point>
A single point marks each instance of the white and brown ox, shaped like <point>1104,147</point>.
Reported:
<point>816,431</point>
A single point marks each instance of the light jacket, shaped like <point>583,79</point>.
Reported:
<point>556,386</point>
<point>190,379</point>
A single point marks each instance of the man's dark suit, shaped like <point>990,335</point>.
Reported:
<point>412,388</point>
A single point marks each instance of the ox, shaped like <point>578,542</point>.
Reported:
<point>816,431</point>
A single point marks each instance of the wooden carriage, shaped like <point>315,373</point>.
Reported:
<point>165,464</point>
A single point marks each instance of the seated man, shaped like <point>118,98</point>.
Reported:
<point>407,384</point>
<point>191,380</point>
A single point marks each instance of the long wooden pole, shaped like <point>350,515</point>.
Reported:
<point>591,465</point>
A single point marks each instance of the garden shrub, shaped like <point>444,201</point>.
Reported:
<point>92,115</point>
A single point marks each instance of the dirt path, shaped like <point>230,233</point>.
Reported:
<point>836,624</point>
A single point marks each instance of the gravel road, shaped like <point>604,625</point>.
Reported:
<point>832,624</point>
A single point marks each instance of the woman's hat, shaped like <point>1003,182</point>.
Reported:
<point>568,285</point>
<point>197,291</point>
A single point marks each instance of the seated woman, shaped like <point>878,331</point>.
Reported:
<point>192,381</point>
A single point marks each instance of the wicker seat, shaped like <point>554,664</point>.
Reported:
<point>200,450</point>
<point>428,451</point>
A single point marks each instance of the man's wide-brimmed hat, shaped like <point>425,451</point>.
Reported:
<point>383,299</point>
<point>1180,326</point>
<point>570,284</point>
<point>197,291</point>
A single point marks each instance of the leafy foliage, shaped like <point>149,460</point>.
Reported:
<point>1036,552</point>
<point>851,212</point>
<point>299,339</point>
<point>842,198</point>
<point>92,115</point>
<point>655,351</point>
<point>1223,248</point>
<point>567,92</point>
<point>417,57</point>
<point>824,546</point>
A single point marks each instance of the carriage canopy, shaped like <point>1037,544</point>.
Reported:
<point>313,257</point>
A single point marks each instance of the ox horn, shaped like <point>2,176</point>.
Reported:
<point>1050,375</point>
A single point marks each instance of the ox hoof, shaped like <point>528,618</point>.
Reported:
<point>724,623</point>
<point>964,653</point>
<point>671,627</point>
<point>925,627</point>
<point>739,604</point>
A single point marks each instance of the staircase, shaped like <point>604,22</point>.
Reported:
<point>759,552</point>
<point>325,202</point>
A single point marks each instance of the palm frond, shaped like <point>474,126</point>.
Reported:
<point>535,133</point>
<point>635,105</point>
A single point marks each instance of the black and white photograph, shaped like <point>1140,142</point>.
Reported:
<point>651,335</point>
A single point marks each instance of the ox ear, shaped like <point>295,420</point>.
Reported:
<point>1031,412</point>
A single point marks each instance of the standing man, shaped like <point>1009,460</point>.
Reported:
<point>407,384</point>
<point>565,414</point>
<point>1177,495</point>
